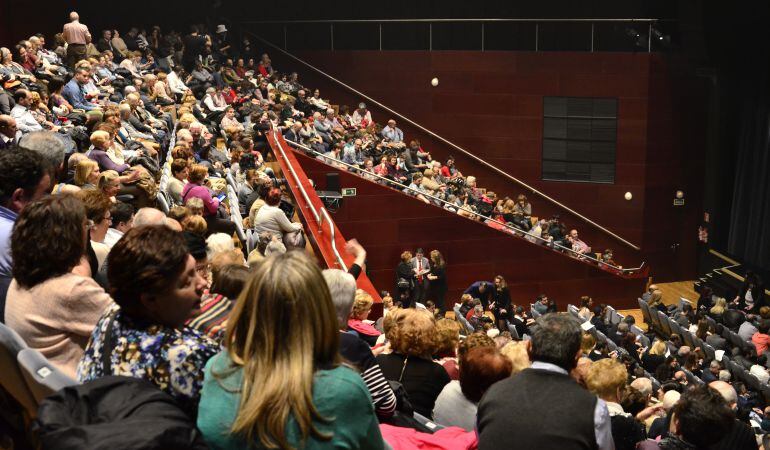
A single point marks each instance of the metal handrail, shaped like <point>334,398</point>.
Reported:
<point>451,144</point>
<point>318,217</point>
<point>280,22</point>
<point>356,170</point>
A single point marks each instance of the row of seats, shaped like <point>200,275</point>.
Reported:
<point>665,326</point>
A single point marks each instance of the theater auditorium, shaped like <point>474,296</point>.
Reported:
<point>409,225</point>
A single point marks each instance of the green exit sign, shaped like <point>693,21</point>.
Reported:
<point>348,192</point>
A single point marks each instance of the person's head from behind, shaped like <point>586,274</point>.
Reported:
<point>362,305</point>
<point>48,240</point>
<point>727,392</point>
<point>282,330</point>
<point>196,224</point>
<point>480,368</point>
<point>412,332</point>
<point>87,172</point>
<point>701,417</point>
<point>556,340</point>
<point>229,280</point>
<point>49,146</point>
<point>517,352</point>
<point>342,288</point>
<point>273,197</point>
<point>447,337</point>
<point>152,276</point>
<point>607,378</point>
<point>198,174</point>
<point>23,179</point>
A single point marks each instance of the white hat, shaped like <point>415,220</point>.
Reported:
<point>221,28</point>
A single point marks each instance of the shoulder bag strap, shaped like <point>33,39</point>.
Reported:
<point>403,369</point>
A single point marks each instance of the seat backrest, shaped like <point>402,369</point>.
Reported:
<point>11,377</point>
<point>42,378</point>
<point>514,333</point>
<point>665,327</point>
<point>645,311</point>
<point>709,351</point>
<point>573,310</point>
<point>687,338</point>
<point>162,202</point>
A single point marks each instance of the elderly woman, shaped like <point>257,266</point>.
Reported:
<point>195,189</point>
<point>87,174</point>
<point>480,368</point>
<point>101,142</point>
<point>284,387</point>
<point>50,304</point>
<point>362,306</point>
<point>411,333</point>
<point>270,218</point>
<point>154,281</point>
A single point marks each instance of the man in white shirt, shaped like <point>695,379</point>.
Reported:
<point>176,85</point>
<point>24,119</point>
<point>122,221</point>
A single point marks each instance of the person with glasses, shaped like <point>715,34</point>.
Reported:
<point>52,302</point>
<point>97,207</point>
<point>157,286</point>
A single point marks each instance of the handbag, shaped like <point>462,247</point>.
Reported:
<point>403,283</point>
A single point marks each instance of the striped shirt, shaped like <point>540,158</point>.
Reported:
<point>357,352</point>
<point>212,319</point>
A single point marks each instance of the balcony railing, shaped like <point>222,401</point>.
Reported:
<point>630,272</point>
<point>590,34</point>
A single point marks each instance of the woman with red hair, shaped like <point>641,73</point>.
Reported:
<point>270,218</point>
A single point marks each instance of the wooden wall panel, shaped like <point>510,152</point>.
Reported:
<point>388,222</point>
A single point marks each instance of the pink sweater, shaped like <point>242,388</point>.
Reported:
<point>57,316</point>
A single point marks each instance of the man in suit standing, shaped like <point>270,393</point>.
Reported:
<point>421,267</point>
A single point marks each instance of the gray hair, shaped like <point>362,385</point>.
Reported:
<point>48,145</point>
<point>556,340</point>
<point>643,385</point>
<point>342,287</point>
<point>724,375</point>
<point>149,216</point>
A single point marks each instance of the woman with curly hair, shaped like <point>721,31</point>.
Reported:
<point>411,333</point>
<point>362,306</point>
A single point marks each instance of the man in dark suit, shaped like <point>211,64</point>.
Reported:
<point>536,393</point>
<point>598,319</point>
<point>421,267</point>
<point>105,42</point>
<point>519,321</point>
<point>292,134</point>
<point>9,133</point>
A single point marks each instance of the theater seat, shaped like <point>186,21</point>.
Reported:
<point>42,378</point>
<point>12,379</point>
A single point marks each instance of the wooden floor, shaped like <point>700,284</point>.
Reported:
<point>671,294</point>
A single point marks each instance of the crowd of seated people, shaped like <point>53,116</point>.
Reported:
<point>265,349</point>
<point>381,154</point>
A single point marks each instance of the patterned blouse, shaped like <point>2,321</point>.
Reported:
<point>170,358</point>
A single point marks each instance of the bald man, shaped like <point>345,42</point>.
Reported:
<point>77,36</point>
<point>741,436</point>
<point>9,132</point>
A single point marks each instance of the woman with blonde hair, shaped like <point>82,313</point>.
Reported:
<point>281,386</point>
<point>447,340</point>
<point>412,336</point>
<point>362,306</point>
<point>87,174</point>
<point>719,308</point>
<point>516,351</point>
<point>654,356</point>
